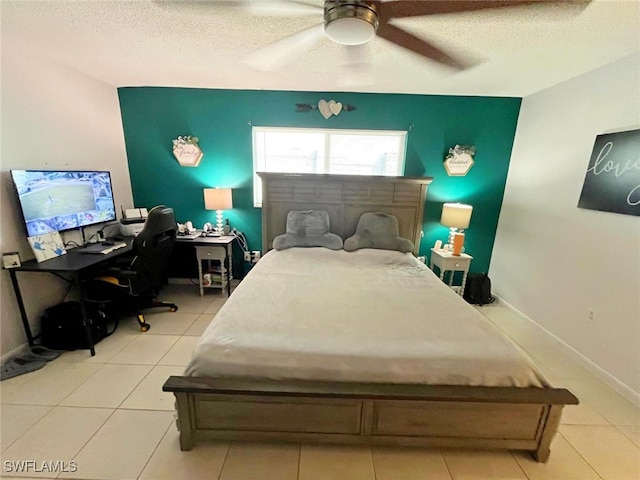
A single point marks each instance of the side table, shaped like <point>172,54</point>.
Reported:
<point>446,261</point>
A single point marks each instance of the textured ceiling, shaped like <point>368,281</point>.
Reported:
<point>516,51</point>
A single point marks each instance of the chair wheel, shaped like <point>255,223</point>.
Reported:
<point>174,308</point>
<point>144,326</point>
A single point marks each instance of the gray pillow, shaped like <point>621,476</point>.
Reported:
<point>378,230</point>
<point>309,228</point>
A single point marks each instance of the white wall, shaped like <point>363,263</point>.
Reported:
<point>53,117</point>
<point>553,261</point>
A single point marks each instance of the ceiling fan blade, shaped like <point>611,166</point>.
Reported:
<point>258,8</point>
<point>275,56</point>
<point>409,41</point>
<point>403,9</point>
<point>358,71</point>
<point>357,54</point>
<point>277,8</point>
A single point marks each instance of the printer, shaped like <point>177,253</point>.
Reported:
<point>132,221</point>
<point>130,229</point>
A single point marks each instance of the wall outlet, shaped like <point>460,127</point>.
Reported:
<point>255,256</point>
<point>592,314</point>
<point>247,256</point>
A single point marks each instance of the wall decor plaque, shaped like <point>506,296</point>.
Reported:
<point>187,151</point>
<point>459,160</point>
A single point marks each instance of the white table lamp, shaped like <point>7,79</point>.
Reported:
<point>218,199</point>
<point>456,216</point>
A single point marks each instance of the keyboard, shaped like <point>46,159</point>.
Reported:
<point>98,248</point>
<point>113,248</point>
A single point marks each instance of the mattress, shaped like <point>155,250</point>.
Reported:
<point>365,316</point>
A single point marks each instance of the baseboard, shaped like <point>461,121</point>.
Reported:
<point>596,370</point>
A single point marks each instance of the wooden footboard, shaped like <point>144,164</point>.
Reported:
<point>308,411</point>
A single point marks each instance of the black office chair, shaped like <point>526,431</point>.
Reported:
<point>138,283</point>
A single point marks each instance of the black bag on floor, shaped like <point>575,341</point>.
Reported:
<point>477,290</point>
<point>61,326</point>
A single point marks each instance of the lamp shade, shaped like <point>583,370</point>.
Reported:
<point>456,215</point>
<point>217,199</point>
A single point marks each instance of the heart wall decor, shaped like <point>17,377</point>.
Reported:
<point>335,107</point>
<point>326,108</point>
<point>325,111</point>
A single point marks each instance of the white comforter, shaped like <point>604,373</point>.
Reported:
<point>367,316</point>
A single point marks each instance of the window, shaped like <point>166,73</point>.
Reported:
<point>309,150</point>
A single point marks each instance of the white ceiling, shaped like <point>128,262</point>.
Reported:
<point>518,51</point>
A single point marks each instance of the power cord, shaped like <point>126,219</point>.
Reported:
<point>242,240</point>
<point>101,233</point>
<point>244,245</point>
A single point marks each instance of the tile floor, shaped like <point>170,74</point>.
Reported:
<point>108,415</point>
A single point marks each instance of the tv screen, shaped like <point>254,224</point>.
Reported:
<point>56,200</point>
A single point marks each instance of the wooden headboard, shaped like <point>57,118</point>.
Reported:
<point>345,197</point>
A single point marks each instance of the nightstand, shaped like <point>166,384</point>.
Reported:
<point>217,252</point>
<point>445,261</point>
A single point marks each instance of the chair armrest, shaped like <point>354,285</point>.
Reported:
<point>122,261</point>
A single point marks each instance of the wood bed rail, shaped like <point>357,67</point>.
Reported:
<point>374,391</point>
<point>356,413</point>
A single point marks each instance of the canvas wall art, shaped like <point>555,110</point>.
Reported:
<point>612,181</point>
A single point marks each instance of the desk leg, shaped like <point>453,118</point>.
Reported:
<point>200,274</point>
<point>85,316</point>
<point>23,312</point>
<point>228,262</point>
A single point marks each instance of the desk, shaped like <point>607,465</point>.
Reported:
<point>213,248</point>
<point>75,264</point>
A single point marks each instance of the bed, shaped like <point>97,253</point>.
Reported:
<point>320,345</point>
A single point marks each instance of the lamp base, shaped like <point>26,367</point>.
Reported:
<point>458,242</point>
<point>219,227</point>
<point>449,246</point>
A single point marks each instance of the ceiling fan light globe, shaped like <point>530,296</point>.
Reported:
<point>350,31</point>
<point>350,22</point>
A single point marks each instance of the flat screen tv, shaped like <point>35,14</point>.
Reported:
<point>59,200</point>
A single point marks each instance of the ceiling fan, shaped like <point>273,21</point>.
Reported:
<point>355,22</point>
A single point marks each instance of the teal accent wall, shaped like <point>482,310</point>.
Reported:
<point>152,117</point>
